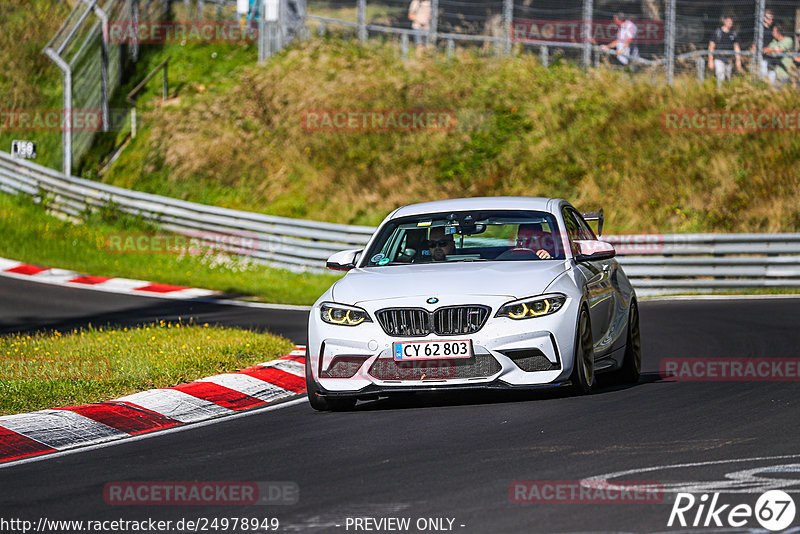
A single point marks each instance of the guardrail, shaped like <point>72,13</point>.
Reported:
<point>655,263</point>
<point>279,241</point>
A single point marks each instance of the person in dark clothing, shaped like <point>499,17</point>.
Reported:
<point>766,39</point>
<point>724,39</point>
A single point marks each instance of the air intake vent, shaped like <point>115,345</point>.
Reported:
<point>531,360</point>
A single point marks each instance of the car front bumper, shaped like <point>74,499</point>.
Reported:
<point>507,354</point>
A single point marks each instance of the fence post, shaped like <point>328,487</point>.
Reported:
<point>508,20</point>
<point>269,28</point>
<point>701,68</point>
<point>586,26</point>
<point>66,133</point>
<point>451,48</point>
<point>404,45</point>
<point>134,13</point>
<point>544,55</point>
<point>434,23</point>
<point>362,20</point>
<point>669,41</point>
<point>758,38</point>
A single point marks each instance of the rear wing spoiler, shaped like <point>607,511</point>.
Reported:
<point>595,216</point>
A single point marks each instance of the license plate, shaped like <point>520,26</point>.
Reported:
<point>432,350</point>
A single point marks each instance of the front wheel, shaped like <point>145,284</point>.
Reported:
<point>582,377</point>
<point>318,403</point>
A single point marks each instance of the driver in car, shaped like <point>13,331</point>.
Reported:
<point>440,244</point>
<point>534,237</point>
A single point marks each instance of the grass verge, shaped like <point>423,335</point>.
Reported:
<point>92,365</point>
<point>33,236</point>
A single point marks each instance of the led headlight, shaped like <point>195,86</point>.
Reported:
<point>532,307</point>
<point>343,315</point>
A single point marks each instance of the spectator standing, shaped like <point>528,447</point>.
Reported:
<point>625,36</point>
<point>766,39</point>
<point>724,39</point>
<point>779,67</point>
<point>419,13</point>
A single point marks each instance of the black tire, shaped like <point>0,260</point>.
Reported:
<point>582,377</point>
<point>323,404</point>
<point>314,399</point>
<point>631,368</point>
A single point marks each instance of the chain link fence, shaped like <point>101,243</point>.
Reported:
<point>672,36</point>
<point>92,66</point>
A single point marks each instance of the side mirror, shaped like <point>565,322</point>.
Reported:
<point>343,261</point>
<point>592,250</point>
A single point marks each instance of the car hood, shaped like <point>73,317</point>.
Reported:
<point>514,279</point>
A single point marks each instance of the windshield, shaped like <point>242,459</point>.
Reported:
<point>467,236</point>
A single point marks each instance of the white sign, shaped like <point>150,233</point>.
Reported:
<point>271,10</point>
<point>23,149</point>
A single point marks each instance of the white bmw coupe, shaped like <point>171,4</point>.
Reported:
<point>499,292</point>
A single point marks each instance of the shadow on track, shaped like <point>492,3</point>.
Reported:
<point>477,397</point>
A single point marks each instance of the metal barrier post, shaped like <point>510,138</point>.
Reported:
<point>758,38</point>
<point>434,23</point>
<point>134,12</point>
<point>669,41</point>
<point>362,20</point>
<point>544,55</point>
<point>508,18</point>
<point>586,27</point>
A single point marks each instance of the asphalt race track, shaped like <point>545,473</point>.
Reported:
<point>455,456</point>
<point>30,306</point>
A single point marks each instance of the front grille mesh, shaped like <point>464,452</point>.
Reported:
<point>344,366</point>
<point>478,366</point>
<point>411,322</point>
<point>446,321</point>
<point>455,320</point>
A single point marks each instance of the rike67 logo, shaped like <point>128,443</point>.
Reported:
<point>774,511</point>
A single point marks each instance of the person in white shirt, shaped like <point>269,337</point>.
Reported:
<point>625,36</point>
<point>419,13</point>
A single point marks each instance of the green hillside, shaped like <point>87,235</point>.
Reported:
<point>237,138</point>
